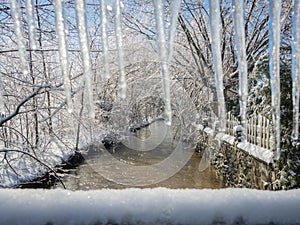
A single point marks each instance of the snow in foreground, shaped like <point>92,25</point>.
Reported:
<point>149,206</point>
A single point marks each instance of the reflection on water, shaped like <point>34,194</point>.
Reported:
<point>87,175</point>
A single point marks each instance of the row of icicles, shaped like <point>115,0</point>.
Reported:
<point>165,48</point>
<point>274,68</point>
<point>164,43</point>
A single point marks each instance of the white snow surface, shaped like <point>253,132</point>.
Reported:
<point>263,154</point>
<point>149,206</point>
<point>28,168</point>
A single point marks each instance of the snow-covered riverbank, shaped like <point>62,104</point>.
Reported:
<point>149,206</point>
<point>19,166</point>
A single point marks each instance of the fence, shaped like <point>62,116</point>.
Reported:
<point>259,129</point>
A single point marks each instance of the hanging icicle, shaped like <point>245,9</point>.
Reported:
<point>296,69</point>
<point>2,105</point>
<point>174,17</point>
<point>118,28</point>
<point>274,49</point>
<point>85,51</point>
<point>239,29</point>
<point>16,14</point>
<point>163,54</point>
<point>31,24</point>
<point>63,52</point>
<point>215,22</point>
<point>104,40</point>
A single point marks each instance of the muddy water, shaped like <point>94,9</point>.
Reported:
<point>88,177</point>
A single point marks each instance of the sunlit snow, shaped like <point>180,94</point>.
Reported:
<point>149,206</point>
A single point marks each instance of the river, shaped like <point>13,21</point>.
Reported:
<point>88,176</point>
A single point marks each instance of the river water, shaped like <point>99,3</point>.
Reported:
<point>88,177</point>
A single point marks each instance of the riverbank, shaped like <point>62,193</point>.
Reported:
<point>26,170</point>
<point>54,176</point>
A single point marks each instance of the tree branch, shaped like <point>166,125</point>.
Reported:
<point>21,103</point>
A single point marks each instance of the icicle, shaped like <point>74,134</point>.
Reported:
<point>162,46</point>
<point>31,22</point>
<point>63,53</point>
<point>16,14</point>
<point>85,51</point>
<point>274,49</point>
<point>174,16</point>
<point>239,29</point>
<point>296,69</point>
<point>2,106</point>
<point>109,8</point>
<point>104,39</point>
<point>118,28</point>
<point>214,12</point>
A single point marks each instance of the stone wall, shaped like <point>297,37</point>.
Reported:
<point>236,166</point>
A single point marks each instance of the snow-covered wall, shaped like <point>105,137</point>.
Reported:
<point>241,165</point>
<point>149,206</point>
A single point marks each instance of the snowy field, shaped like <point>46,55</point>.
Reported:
<point>149,206</point>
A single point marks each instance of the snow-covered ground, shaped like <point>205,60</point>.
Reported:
<point>149,206</point>
<point>23,168</point>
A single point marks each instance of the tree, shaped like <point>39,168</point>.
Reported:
<point>34,124</point>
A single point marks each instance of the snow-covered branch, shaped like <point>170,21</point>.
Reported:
<point>22,102</point>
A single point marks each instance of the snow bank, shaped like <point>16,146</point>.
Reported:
<point>149,206</point>
<point>26,168</point>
